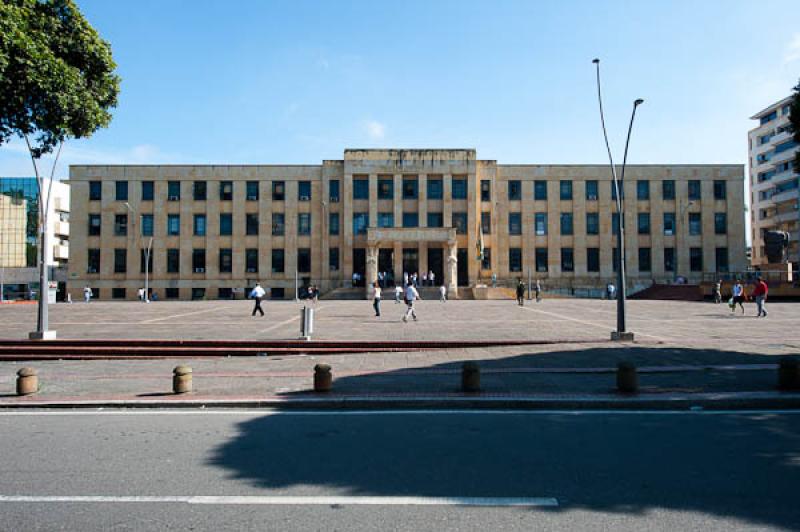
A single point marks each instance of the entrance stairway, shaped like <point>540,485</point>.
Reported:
<point>671,292</point>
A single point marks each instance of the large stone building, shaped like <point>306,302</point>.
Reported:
<point>775,195</point>
<point>218,229</point>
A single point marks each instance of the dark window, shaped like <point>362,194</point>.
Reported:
<point>615,259</point>
<point>199,260</point>
<point>591,190</point>
<point>173,260</point>
<point>696,259</point>
<point>541,259</point>
<point>93,261</point>
<point>565,190</point>
<point>410,188</point>
<point>515,223</point>
<point>721,255</point>
<point>147,225</point>
<point>386,188</point>
<point>277,293</point>
<point>540,190</point>
<point>668,189</point>
<point>460,222</point>
<point>118,293</point>
<point>304,260</point>
<point>278,190</point>
<point>147,191</point>
<point>614,191</point>
<point>486,223</point>
<point>199,190</point>
<point>200,225</point>
<point>694,189</point>
<point>120,224</point>
<point>720,223</point>
<point>173,224</point>
<point>172,293</point>
<point>95,221</point>
<point>643,190</point>
<point>435,189</point>
<point>252,191</point>
<point>226,190</point>
<point>644,260</point>
<point>459,189</point>
<point>251,260</point>
<point>224,293</point>
<point>333,190</point>
<point>695,224</point>
<point>304,190</point>
<point>486,190</point>
<point>566,223</point>
<point>95,190</point>
<point>593,259</point>
<point>360,189</point>
<point>410,219</point>
<point>567,260</point>
<point>225,260</point>
<point>669,223</point>
<point>361,222</point>
<point>643,224</point>
<point>173,190</point>
<point>251,223</point>
<point>515,259</point>
<point>143,253</point>
<point>385,219</point>
<point>226,224</point>
<point>304,223</point>
<point>614,223</point>
<point>669,259</point>
<point>514,190</point>
<point>435,219</point>
<point>720,190</point>
<point>333,259</point>
<point>121,190</point>
<point>277,261</point>
<point>278,224</point>
<point>120,260</point>
<point>333,223</point>
<point>592,223</point>
<point>198,293</point>
<point>486,263</point>
<point>541,223</point>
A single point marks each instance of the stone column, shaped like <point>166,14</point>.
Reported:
<point>372,268</point>
<point>451,269</point>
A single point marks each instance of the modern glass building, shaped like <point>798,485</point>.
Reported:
<point>18,244</point>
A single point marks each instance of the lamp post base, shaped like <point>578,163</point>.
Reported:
<point>621,336</point>
<point>42,335</point>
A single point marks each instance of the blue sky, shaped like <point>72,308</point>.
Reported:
<point>264,82</point>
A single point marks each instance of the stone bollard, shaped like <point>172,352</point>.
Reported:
<point>627,378</point>
<point>323,379</point>
<point>470,377</point>
<point>27,381</point>
<point>182,379</point>
<point>789,374</point>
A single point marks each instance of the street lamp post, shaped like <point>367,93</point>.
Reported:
<point>621,333</point>
<point>147,252</point>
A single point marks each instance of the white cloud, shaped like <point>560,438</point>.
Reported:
<point>374,129</point>
<point>792,52</point>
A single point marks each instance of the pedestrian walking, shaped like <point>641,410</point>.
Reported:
<point>738,296</point>
<point>376,299</point>
<point>398,292</point>
<point>760,295</point>
<point>424,278</point>
<point>140,293</point>
<point>443,294</point>
<point>718,292</point>
<point>411,296</point>
<point>87,293</point>
<point>538,290</point>
<point>494,280</point>
<point>431,278</point>
<point>520,293</point>
<point>611,291</point>
<point>405,278</point>
<point>414,279</point>
<point>257,294</point>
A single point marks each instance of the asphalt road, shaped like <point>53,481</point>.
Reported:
<point>658,470</point>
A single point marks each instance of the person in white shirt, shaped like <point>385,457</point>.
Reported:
<point>431,278</point>
<point>738,296</point>
<point>398,292</point>
<point>443,293</point>
<point>376,299</point>
<point>257,294</point>
<point>87,294</point>
<point>411,296</point>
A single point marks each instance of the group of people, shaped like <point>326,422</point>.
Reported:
<point>758,294</point>
<point>409,295</point>
<point>521,288</point>
<point>427,279</point>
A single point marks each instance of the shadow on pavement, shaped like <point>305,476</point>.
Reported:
<point>743,466</point>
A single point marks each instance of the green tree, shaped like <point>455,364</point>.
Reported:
<point>57,82</point>
<point>794,120</point>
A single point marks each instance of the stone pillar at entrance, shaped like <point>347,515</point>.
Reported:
<point>372,269</point>
<point>451,269</point>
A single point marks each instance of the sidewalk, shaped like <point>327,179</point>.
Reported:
<point>564,376</point>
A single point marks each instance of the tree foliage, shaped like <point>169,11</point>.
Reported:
<point>794,120</point>
<point>57,77</point>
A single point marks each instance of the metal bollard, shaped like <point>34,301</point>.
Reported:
<point>306,323</point>
<point>27,381</point>
<point>789,374</point>
<point>182,379</point>
<point>323,378</point>
<point>627,378</point>
<point>470,377</point>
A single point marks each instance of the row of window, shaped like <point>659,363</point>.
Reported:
<point>593,223</point>
<point>566,193</point>
<point>199,224</point>
<point>200,190</point>
<point>197,293</point>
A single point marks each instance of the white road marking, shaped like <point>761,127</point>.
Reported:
<point>447,412</point>
<point>599,325</point>
<point>293,500</point>
<point>215,309</point>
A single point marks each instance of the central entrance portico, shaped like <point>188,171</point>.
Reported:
<point>408,237</point>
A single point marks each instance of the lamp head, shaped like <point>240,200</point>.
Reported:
<point>638,101</point>
<point>595,61</point>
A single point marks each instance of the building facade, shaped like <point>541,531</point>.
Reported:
<point>774,192</point>
<point>217,230</point>
<point>19,248</point>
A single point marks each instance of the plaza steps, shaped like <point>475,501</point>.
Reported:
<point>670,292</point>
<point>22,350</point>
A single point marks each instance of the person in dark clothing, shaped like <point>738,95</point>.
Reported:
<point>520,293</point>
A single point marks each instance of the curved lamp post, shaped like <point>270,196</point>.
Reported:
<point>621,333</point>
